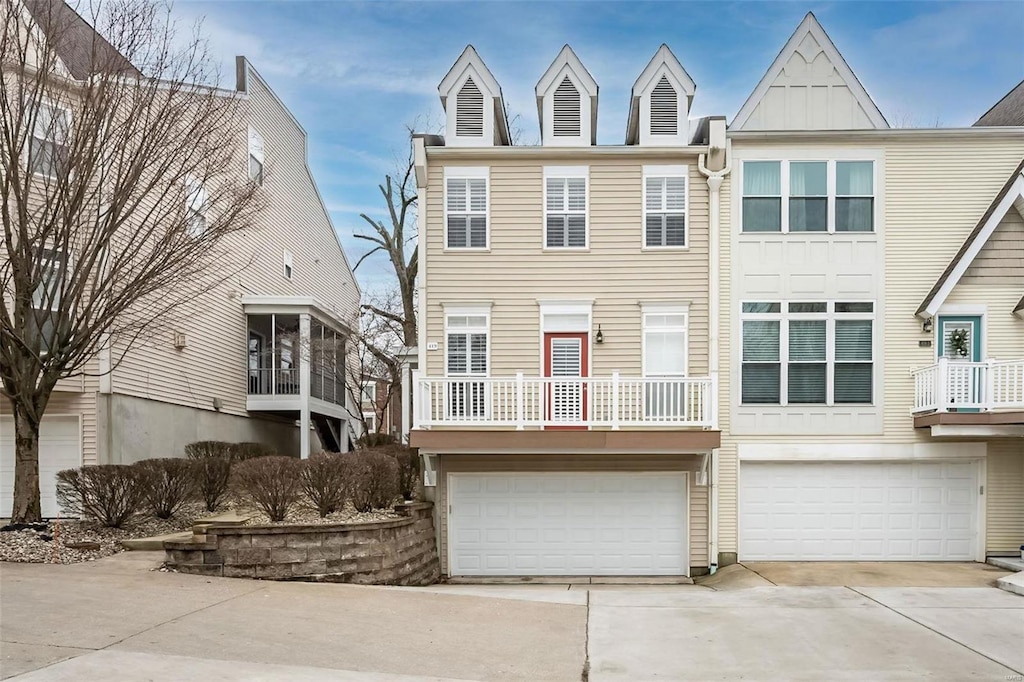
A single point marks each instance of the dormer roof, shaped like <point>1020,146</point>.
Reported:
<point>469,65</point>
<point>1009,111</point>
<point>663,65</point>
<point>809,62</point>
<point>81,49</point>
<point>567,64</point>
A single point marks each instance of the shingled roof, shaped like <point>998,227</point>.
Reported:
<point>1009,111</point>
<point>80,47</point>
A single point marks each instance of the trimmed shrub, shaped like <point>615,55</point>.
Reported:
<point>166,484</point>
<point>373,480</point>
<point>109,494</point>
<point>324,478</point>
<point>375,440</point>
<point>408,461</point>
<point>271,484</point>
<point>241,452</point>
<point>205,449</point>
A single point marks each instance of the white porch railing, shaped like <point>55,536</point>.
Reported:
<point>520,402</point>
<point>987,386</point>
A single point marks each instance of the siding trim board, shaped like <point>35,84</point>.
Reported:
<point>1010,193</point>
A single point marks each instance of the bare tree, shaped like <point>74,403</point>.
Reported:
<point>394,238</point>
<point>121,176</point>
<point>376,349</point>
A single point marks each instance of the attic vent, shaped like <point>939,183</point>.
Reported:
<point>469,116</point>
<point>664,109</point>
<point>567,110</point>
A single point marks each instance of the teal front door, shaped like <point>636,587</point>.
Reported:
<point>959,341</point>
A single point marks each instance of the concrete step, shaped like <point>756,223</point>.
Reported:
<point>1007,562</point>
<point>1012,583</point>
<point>233,517</point>
<point>156,542</point>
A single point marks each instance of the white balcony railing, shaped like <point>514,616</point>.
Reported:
<point>522,402</point>
<point>988,386</point>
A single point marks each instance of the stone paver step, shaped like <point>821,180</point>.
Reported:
<point>156,542</point>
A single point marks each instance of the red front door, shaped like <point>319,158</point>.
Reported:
<point>565,359</point>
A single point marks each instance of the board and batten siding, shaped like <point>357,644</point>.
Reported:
<point>615,272</point>
<point>935,191</point>
<point>213,363</point>
<point>698,507</point>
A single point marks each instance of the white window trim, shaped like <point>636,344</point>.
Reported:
<point>550,311</point>
<point>830,159</point>
<point>196,201</point>
<point>674,171</point>
<point>478,310</point>
<point>566,172</point>
<point>468,173</point>
<point>665,309</point>
<point>49,103</point>
<point>830,317</point>
<point>288,264</point>
<point>371,395</point>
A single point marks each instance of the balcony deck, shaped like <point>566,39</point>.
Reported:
<point>970,399</point>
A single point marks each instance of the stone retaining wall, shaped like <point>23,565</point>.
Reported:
<point>396,552</point>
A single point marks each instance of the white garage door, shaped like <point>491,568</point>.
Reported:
<point>869,511</point>
<point>60,448</point>
<point>568,524</point>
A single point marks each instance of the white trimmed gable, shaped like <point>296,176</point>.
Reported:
<point>474,109</point>
<point>809,86</point>
<point>660,102</point>
<point>567,103</point>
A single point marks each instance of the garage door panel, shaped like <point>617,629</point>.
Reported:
<point>569,523</point>
<point>869,511</point>
<point>59,449</point>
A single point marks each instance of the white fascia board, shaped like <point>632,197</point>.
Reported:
<point>567,58</point>
<point>852,452</point>
<point>257,305</point>
<point>469,59</point>
<point>675,71</point>
<point>810,25</point>
<point>1016,192</point>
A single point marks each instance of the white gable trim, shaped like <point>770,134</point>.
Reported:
<point>810,25</point>
<point>567,64</point>
<point>1015,194</point>
<point>664,63</point>
<point>469,64</point>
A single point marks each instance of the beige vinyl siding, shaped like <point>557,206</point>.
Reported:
<point>1005,500</point>
<point>1003,332</point>
<point>615,271</point>
<point>448,464</point>
<point>213,364</point>
<point>935,190</point>
<point>1001,260</point>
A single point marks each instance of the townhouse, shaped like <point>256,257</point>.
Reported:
<point>260,358</point>
<point>797,337</point>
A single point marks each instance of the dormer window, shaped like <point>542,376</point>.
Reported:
<point>469,109</point>
<point>664,109</point>
<point>567,110</point>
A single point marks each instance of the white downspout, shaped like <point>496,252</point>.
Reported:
<point>714,296</point>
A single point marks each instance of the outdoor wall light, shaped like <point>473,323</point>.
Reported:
<point>599,337</point>
<point>926,326</point>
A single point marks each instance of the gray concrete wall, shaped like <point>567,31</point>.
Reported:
<point>130,429</point>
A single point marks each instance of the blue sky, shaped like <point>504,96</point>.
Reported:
<point>357,73</point>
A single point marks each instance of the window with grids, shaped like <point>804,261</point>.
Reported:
<point>48,145</point>
<point>466,356</point>
<point>565,221</point>
<point>664,208</point>
<point>42,322</point>
<point>808,196</point>
<point>813,352</point>
<point>466,204</point>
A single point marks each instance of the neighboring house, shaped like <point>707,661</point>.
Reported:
<point>381,406</point>
<point>258,359</point>
<point>563,399</point>
<point>872,394</point>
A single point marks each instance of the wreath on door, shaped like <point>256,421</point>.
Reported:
<point>959,344</point>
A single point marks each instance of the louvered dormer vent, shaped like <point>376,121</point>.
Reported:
<point>567,110</point>
<point>664,109</point>
<point>469,111</point>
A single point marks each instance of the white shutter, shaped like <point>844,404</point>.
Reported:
<point>664,109</point>
<point>469,111</point>
<point>567,109</point>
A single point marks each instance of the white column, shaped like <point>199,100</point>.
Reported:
<point>304,380</point>
<point>406,400</point>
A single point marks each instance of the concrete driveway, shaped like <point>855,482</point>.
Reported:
<point>117,619</point>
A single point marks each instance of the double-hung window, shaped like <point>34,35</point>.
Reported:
<point>808,196</point>
<point>466,208</point>
<point>46,298</point>
<point>48,145</point>
<point>466,356</point>
<point>807,352</point>
<point>195,206</point>
<point>255,156</point>
<point>664,206</point>
<point>565,208</point>
<point>664,361</point>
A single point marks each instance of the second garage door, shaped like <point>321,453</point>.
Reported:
<point>868,511</point>
<point>60,447</point>
<point>568,524</point>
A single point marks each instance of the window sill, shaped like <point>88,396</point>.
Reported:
<point>657,249</point>
<point>807,233</point>
<point>803,406</point>
<point>563,249</point>
<point>466,249</point>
